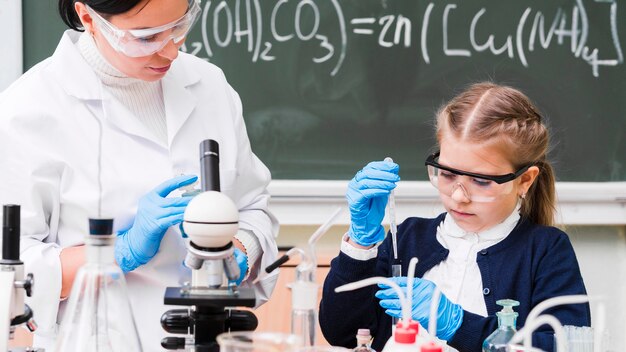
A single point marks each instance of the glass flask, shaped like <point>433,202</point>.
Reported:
<point>98,316</point>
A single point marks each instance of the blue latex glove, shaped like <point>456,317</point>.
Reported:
<point>367,198</point>
<point>155,214</point>
<point>449,315</point>
<point>242,260</point>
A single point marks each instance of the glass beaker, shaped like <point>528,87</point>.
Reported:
<point>251,341</point>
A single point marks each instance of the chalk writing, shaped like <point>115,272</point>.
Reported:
<point>241,22</point>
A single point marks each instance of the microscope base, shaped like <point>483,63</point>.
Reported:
<point>209,316</point>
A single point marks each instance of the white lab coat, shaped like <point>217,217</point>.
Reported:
<point>63,137</point>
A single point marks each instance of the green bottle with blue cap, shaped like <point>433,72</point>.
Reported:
<point>498,340</point>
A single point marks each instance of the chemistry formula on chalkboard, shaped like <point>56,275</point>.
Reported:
<point>331,25</point>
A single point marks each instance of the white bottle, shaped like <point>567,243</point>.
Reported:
<point>404,338</point>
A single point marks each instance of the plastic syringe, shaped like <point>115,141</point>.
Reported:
<point>392,218</point>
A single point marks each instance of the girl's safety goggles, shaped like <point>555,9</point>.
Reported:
<point>476,187</point>
<point>146,41</point>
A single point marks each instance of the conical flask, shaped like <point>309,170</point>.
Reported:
<point>98,316</point>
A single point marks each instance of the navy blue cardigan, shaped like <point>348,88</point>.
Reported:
<point>533,263</point>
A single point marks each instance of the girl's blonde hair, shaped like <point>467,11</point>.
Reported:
<point>491,113</point>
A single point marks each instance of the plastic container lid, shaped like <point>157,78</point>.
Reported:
<point>431,347</point>
<point>363,332</point>
<point>405,335</point>
<point>413,324</point>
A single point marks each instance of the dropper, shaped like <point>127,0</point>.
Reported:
<point>392,218</point>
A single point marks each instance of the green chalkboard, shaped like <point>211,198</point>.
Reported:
<point>328,85</point>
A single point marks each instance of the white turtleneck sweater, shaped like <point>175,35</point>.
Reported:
<point>458,276</point>
<point>144,99</point>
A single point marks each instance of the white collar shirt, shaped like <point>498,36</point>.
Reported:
<point>458,276</point>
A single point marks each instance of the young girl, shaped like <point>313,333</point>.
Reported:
<point>494,241</point>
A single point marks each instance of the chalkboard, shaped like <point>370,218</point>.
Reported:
<point>328,85</point>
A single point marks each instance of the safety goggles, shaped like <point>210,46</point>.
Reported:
<point>146,41</point>
<point>476,187</point>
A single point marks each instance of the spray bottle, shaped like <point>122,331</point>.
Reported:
<point>498,340</point>
<point>304,289</point>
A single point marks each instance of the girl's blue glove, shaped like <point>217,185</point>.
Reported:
<point>449,315</point>
<point>367,198</point>
<point>155,214</point>
<point>242,260</point>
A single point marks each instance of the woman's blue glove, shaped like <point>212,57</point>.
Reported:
<point>449,315</point>
<point>242,260</point>
<point>367,198</point>
<point>155,214</point>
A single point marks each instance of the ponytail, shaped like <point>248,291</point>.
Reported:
<point>539,203</point>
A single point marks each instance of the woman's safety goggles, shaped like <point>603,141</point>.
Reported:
<point>476,187</point>
<point>146,41</point>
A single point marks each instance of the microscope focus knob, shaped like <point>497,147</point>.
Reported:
<point>211,220</point>
<point>26,284</point>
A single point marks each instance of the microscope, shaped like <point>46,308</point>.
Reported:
<point>13,284</point>
<point>210,221</point>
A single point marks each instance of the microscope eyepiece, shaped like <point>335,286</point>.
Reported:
<point>210,165</point>
<point>11,233</point>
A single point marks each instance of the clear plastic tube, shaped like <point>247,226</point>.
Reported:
<point>525,333</point>
<point>406,309</point>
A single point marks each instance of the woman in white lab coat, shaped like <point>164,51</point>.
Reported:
<point>102,128</point>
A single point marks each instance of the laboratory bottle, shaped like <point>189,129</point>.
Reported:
<point>98,316</point>
<point>363,341</point>
<point>499,339</point>
<point>303,312</point>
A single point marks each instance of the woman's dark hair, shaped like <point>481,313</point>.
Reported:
<point>105,7</point>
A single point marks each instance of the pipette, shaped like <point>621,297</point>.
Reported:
<point>396,269</point>
<point>392,218</point>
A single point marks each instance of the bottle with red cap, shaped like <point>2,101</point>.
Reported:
<point>405,337</point>
<point>431,347</point>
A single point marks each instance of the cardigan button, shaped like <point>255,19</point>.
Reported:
<point>483,252</point>
<point>486,291</point>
